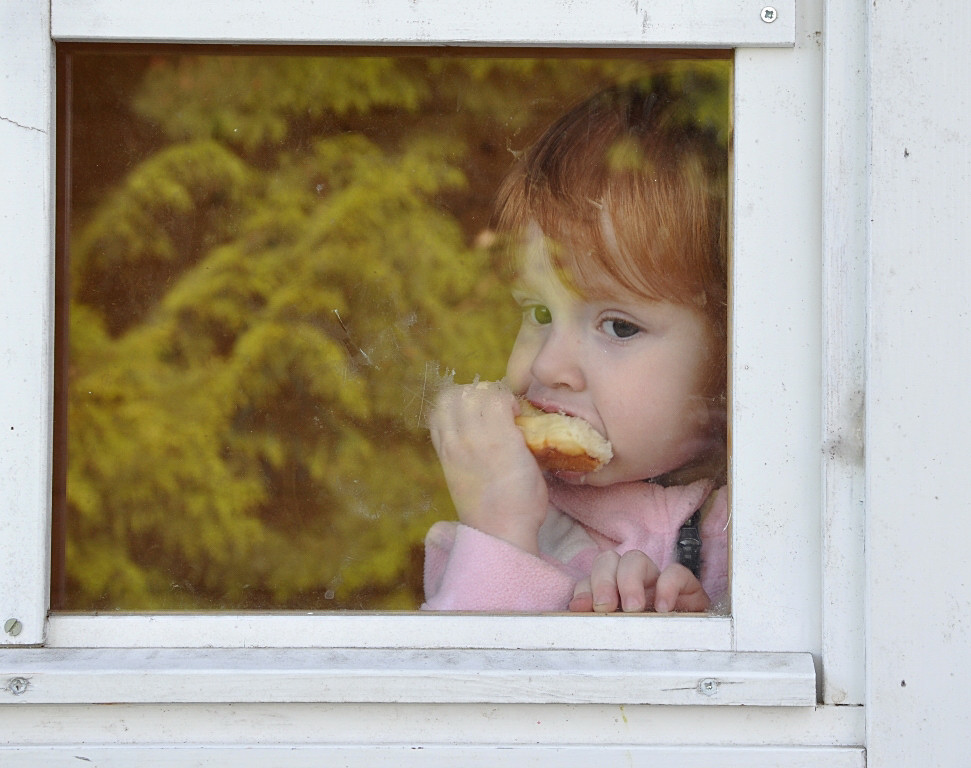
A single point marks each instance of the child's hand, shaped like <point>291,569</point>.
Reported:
<point>633,583</point>
<point>494,480</point>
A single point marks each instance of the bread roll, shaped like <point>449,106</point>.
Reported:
<point>562,443</point>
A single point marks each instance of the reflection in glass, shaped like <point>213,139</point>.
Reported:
<point>271,263</point>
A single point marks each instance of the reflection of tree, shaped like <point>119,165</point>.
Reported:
<point>259,309</point>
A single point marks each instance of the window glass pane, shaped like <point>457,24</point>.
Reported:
<point>268,266</point>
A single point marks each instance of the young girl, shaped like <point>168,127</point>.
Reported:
<point>616,218</point>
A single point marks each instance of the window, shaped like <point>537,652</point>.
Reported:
<point>271,260</point>
<point>777,350</point>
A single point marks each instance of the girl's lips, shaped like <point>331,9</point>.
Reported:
<point>548,407</point>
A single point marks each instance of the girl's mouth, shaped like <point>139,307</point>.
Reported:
<point>548,407</point>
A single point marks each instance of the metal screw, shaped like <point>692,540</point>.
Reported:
<point>12,627</point>
<point>768,14</point>
<point>17,685</point>
<point>708,686</point>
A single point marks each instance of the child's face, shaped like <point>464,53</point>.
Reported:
<point>635,368</point>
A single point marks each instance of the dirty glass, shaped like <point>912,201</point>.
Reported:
<point>266,263</point>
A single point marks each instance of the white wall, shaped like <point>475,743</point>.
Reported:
<point>918,436</point>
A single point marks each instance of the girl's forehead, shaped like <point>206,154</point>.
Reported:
<point>570,265</point>
<point>540,264</point>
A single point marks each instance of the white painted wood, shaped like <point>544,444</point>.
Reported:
<point>361,630</point>
<point>103,676</point>
<point>443,724</point>
<point>696,23</point>
<point>918,411</point>
<point>776,369</point>
<point>401,756</point>
<point>844,337</point>
<point>26,296</point>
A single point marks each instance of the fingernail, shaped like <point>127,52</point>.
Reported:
<point>584,599</point>
<point>662,606</point>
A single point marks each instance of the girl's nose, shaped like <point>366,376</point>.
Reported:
<point>558,362</point>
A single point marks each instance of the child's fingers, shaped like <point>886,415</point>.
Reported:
<point>472,420</point>
<point>636,575</point>
<point>617,582</point>
<point>495,484</point>
<point>603,582</point>
<point>582,601</point>
<point>629,582</point>
<point>679,590</point>
<point>458,406</point>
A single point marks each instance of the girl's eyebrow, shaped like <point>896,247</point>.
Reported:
<point>522,284</point>
<point>521,293</point>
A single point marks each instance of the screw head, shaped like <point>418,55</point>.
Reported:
<point>768,14</point>
<point>708,686</point>
<point>18,685</point>
<point>12,627</point>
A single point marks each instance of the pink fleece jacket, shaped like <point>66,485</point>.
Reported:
<point>467,570</point>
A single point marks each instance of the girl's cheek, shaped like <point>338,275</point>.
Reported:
<point>518,366</point>
<point>515,377</point>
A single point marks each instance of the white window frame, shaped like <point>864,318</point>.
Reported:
<point>794,638</point>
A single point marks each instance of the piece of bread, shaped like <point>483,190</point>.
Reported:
<point>562,443</point>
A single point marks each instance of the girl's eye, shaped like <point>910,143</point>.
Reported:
<point>539,314</point>
<point>620,329</point>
